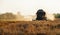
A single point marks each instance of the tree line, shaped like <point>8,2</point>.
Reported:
<point>57,15</point>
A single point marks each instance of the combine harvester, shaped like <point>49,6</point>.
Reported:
<point>42,15</point>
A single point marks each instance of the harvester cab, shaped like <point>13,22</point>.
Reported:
<point>40,15</point>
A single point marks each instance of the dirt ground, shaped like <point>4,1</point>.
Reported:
<point>41,27</point>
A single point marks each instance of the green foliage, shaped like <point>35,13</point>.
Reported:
<point>57,15</point>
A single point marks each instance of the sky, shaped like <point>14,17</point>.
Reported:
<point>29,7</point>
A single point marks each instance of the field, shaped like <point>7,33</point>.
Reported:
<point>41,27</point>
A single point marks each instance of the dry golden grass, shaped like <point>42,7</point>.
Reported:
<point>41,27</point>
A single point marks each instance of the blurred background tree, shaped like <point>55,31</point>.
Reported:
<point>7,16</point>
<point>57,15</point>
<point>11,17</point>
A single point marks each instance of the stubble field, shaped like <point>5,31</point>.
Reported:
<point>41,27</point>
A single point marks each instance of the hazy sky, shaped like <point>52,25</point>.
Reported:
<point>29,7</point>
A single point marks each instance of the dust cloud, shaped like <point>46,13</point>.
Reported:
<point>19,17</point>
<point>50,17</point>
<point>33,17</point>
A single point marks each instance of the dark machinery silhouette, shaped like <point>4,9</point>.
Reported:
<point>40,15</point>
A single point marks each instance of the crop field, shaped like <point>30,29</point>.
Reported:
<point>41,27</point>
